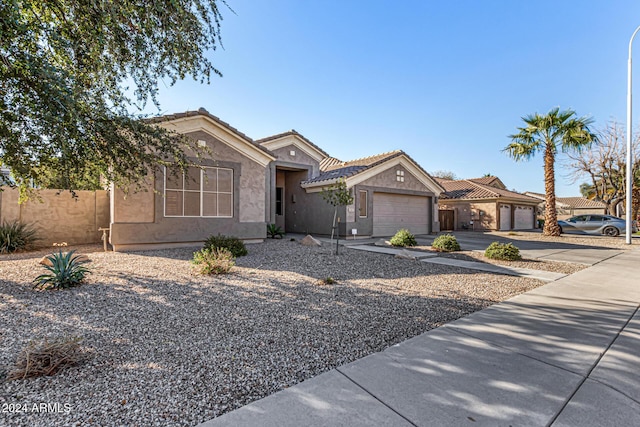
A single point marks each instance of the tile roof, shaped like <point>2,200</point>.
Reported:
<point>292,132</point>
<point>332,168</point>
<point>572,202</point>
<point>489,180</point>
<point>469,189</point>
<point>346,169</point>
<point>581,203</point>
<point>203,112</point>
<point>328,162</point>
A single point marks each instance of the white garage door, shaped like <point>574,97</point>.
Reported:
<point>523,218</point>
<point>391,212</point>
<point>505,217</point>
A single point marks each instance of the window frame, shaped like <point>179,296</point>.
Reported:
<point>360,205</point>
<point>183,190</point>
<point>279,201</point>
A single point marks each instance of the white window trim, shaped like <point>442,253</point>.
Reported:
<point>201,192</point>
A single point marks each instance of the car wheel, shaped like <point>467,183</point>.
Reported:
<point>561,230</point>
<point>611,231</point>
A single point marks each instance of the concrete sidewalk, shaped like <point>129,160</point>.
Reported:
<point>564,354</point>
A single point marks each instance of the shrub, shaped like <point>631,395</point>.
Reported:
<point>16,236</point>
<point>46,357</point>
<point>66,270</point>
<point>232,244</point>
<point>501,251</point>
<point>274,231</point>
<point>403,238</point>
<point>446,243</point>
<point>214,261</point>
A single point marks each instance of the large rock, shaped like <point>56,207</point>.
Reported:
<point>80,258</point>
<point>382,242</point>
<point>309,240</point>
<point>46,261</point>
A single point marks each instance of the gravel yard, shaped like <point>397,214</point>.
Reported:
<point>533,264</point>
<point>170,348</point>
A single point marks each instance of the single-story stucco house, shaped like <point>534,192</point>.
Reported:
<point>246,184</point>
<point>484,204</point>
<point>570,206</point>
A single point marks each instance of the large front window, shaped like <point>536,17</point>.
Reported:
<point>206,192</point>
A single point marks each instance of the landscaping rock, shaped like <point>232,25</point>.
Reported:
<point>309,240</point>
<point>382,242</point>
<point>45,261</point>
<point>83,258</point>
<point>405,254</point>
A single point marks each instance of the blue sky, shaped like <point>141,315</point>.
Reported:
<point>445,81</point>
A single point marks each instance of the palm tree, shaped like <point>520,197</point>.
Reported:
<point>556,130</point>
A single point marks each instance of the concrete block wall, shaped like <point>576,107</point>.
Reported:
<point>59,217</point>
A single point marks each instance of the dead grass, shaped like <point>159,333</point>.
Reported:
<point>46,357</point>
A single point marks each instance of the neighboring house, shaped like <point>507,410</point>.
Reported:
<point>570,206</point>
<point>246,184</point>
<point>484,204</point>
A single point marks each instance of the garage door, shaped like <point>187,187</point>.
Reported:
<point>505,217</point>
<point>523,218</point>
<point>391,212</point>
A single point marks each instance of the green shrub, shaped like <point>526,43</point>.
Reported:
<point>66,270</point>
<point>274,231</point>
<point>446,243</point>
<point>232,244</point>
<point>214,261</point>
<point>403,238</point>
<point>16,236</point>
<point>506,252</point>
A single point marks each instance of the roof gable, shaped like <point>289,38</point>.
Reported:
<point>492,181</point>
<point>466,189</point>
<point>359,170</point>
<point>294,138</point>
<point>202,120</point>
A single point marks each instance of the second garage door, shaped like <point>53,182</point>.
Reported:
<point>523,218</point>
<point>391,212</point>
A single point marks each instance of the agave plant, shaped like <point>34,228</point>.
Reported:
<point>15,236</point>
<point>274,231</point>
<point>66,270</point>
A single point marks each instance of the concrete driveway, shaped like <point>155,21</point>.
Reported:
<point>568,251</point>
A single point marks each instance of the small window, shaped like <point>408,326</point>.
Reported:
<point>400,176</point>
<point>279,198</point>
<point>362,204</point>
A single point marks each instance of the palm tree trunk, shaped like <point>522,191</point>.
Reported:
<point>551,227</point>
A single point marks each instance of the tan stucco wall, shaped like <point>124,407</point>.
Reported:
<point>488,221</point>
<point>387,179</point>
<point>59,217</point>
<point>464,210</point>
